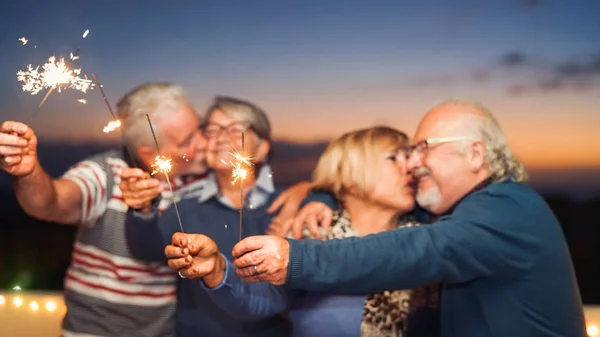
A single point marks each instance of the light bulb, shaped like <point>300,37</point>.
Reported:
<point>50,306</point>
<point>34,306</point>
<point>18,302</point>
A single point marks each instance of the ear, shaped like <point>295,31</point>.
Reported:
<point>263,150</point>
<point>146,154</point>
<point>477,156</point>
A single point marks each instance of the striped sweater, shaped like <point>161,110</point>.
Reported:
<point>106,290</point>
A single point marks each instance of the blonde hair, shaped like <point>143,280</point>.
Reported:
<point>500,160</point>
<point>158,100</point>
<point>350,162</point>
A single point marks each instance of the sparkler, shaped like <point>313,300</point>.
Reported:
<point>240,173</point>
<point>162,164</point>
<point>54,75</point>
<point>116,123</point>
<point>23,40</point>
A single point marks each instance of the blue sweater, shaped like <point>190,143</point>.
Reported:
<point>197,315</point>
<point>311,313</point>
<point>501,254</point>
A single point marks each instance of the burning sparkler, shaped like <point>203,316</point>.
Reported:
<point>82,100</point>
<point>55,74</point>
<point>239,172</point>
<point>115,123</point>
<point>162,164</point>
<point>112,126</point>
<point>23,40</point>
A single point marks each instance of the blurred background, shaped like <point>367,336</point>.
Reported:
<point>319,68</point>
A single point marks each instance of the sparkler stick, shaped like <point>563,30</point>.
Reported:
<point>164,166</point>
<point>241,191</point>
<point>112,114</point>
<point>238,171</point>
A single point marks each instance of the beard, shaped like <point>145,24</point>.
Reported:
<point>432,197</point>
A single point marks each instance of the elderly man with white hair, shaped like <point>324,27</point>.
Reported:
<point>496,245</point>
<point>108,290</point>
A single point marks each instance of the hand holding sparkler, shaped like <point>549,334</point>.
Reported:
<point>195,256</point>
<point>18,148</point>
<point>139,189</point>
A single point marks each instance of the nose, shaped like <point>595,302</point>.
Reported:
<point>414,161</point>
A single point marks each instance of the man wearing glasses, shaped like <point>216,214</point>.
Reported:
<point>496,246</point>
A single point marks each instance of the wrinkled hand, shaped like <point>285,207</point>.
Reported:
<point>139,189</point>
<point>195,256</point>
<point>289,202</point>
<point>315,216</point>
<point>18,148</point>
<point>262,258</point>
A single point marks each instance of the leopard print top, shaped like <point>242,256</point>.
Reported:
<point>385,314</point>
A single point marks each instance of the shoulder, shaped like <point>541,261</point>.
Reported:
<point>506,203</point>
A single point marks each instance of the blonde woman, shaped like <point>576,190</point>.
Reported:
<point>366,171</point>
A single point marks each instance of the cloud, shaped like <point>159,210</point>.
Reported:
<point>577,73</point>
<point>523,73</point>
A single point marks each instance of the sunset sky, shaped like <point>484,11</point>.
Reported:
<point>320,68</point>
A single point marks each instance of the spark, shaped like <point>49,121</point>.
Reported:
<point>23,40</point>
<point>54,75</point>
<point>161,164</point>
<point>112,126</point>
<point>82,100</point>
<point>87,31</point>
<point>238,170</point>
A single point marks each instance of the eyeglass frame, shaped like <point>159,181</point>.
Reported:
<point>222,128</point>
<point>431,141</point>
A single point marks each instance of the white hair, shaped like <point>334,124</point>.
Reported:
<point>157,100</point>
<point>244,111</point>
<point>499,157</point>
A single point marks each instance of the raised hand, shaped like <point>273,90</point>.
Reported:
<point>18,148</point>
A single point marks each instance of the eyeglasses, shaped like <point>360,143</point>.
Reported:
<point>421,147</point>
<point>233,130</point>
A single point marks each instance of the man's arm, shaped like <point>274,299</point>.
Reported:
<point>145,238</point>
<point>248,301</point>
<point>320,196</point>
<point>485,236</point>
<point>80,196</point>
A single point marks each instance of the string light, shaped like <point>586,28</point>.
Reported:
<point>17,301</point>
<point>34,306</point>
<point>592,330</point>
<point>51,306</point>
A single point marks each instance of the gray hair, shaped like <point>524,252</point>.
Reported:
<point>499,157</point>
<point>244,111</point>
<point>157,100</point>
